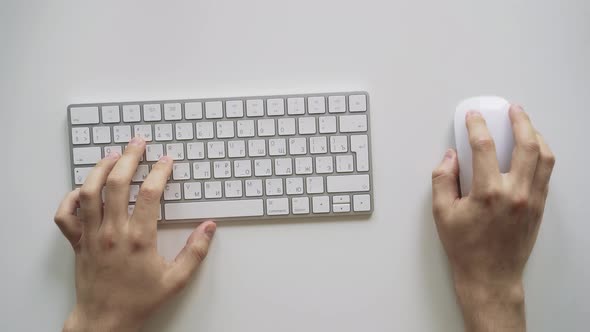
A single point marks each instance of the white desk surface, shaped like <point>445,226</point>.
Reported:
<point>417,59</point>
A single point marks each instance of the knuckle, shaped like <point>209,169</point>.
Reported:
<point>198,252</point>
<point>116,181</point>
<point>519,202</point>
<point>149,193</point>
<point>482,143</point>
<point>491,194</point>
<point>59,219</point>
<point>548,159</point>
<point>106,238</point>
<point>532,146</point>
<point>87,193</point>
<point>137,241</point>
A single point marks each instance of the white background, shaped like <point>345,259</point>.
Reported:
<point>417,59</point>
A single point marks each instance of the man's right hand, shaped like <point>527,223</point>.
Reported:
<point>489,235</point>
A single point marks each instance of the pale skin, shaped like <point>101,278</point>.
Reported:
<point>488,236</point>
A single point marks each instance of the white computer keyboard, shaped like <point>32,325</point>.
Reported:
<point>248,157</point>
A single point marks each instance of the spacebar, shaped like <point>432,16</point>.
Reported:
<point>214,209</point>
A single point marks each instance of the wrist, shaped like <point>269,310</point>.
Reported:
<point>491,305</point>
<point>81,320</point>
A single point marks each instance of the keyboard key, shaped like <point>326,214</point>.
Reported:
<point>222,169</point>
<point>303,165</point>
<point>314,184</point>
<point>80,174</point>
<point>133,193</point>
<point>112,148</point>
<point>297,146</point>
<point>213,189</point>
<point>275,106</point>
<point>153,152</point>
<point>341,208</point>
<point>274,187</point>
<point>172,192</point>
<point>202,170</point>
<point>246,128</point>
<point>283,166</point>
<point>353,123</point>
<point>321,204</point>
<point>266,127</point>
<point>216,150</point>
<point>233,189</point>
<point>362,203</point>
<point>253,188</point>
<point>286,126</point>
<point>131,113</point>
<point>347,183</point>
<point>225,129</point>
<point>307,126</point>
<point>254,107</point>
<point>359,144</point>
<point>86,156</point>
<point>338,144</point>
<point>327,124</point>
<point>214,209</point>
<point>277,147</point>
<point>277,206</point>
<point>122,134</point>
<point>163,132</point>
<point>101,135</point>
<point>336,104</point>
<point>357,103</point>
<point>204,130</point>
<point>236,149</point>
<point>316,105</point>
<point>242,168</point>
<point>192,190</point>
<point>300,205</point>
<point>195,150</point>
<point>344,163</point>
<point>172,111</point>
<point>324,165</point>
<point>294,186</point>
<point>84,115</point>
<point>80,135</point>
<point>296,106</point>
<point>175,151</point>
<point>263,167</point>
<point>152,112</point>
<point>181,171</point>
<point>143,131</point>
<point>110,114</point>
<point>234,109</point>
<point>340,199</point>
<point>184,131</point>
<point>193,111</point>
<point>256,148</point>
<point>213,110</point>
<point>141,173</point>
<point>318,145</point>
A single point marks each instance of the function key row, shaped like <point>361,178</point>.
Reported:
<point>215,110</point>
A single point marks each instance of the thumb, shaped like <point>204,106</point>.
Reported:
<point>190,257</point>
<point>445,189</point>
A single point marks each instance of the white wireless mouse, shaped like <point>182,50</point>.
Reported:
<point>495,112</point>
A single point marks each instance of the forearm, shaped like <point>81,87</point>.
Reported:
<point>496,308</point>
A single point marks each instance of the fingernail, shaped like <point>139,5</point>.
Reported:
<point>164,159</point>
<point>516,108</point>
<point>113,155</point>
<point>472,113</point>
<point>449,154</point>
<point>210,230</point>
<point>136,141</point>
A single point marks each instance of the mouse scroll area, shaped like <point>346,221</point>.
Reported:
<point>495,112</point>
